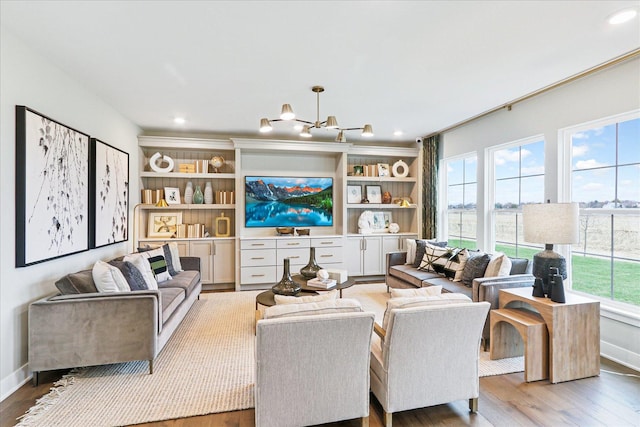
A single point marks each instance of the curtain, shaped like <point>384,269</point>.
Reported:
<point>430,186</point>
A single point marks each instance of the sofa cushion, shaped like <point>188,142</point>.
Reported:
<point>410,274</point>
<point>325,296</point>
<point>186,280</point>
<point>427,291</point>
<point>449,286</point>
<point>435,258</point>
<point>342,305</point>
<point>411,251</point>
<point>474,268</point>
<point>500,265</point>
<point>141,263</point>
<point>108,278</point>
<point>519,266</point>
<point>170,299</point>
<point>455,264</point>
<point>409,302</point>
<point>80,282</point>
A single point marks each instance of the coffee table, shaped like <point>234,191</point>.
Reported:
<point>267,298</point>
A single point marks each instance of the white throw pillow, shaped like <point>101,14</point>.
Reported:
<point>455,265</point>
<point>175,257</point>
<point>411,251</point>
<point>342,305</point>
<point>408,302</point>
<point>326,296</point>
<point>427,291</point>
<point>158,264</point>
<point>142,264</point>
<point>500,265</point>
<point>434,259</point>
<point>108,278</point>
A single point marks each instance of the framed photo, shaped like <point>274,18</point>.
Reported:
<point>354,194</point>
<point>52,189</point>
<point>172,195</point>
<point>383,169</point>
<point>378,221</point>
<point>388,219</point>
<point>358,170</point>
<point>109,195</point>
<point>374,193</point>
<point>163,224</point>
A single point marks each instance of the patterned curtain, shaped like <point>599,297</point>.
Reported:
<point>430,186</point>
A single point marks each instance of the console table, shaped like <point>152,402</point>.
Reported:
<point>574,332</point>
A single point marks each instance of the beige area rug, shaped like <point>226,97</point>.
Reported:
<point>207,367</point>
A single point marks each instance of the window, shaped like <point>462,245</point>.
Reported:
<point>518,179</point>
<point>461,193</point>
<point>605,181</point>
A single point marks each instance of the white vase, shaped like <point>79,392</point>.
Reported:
<point>208,194</point>
<point>188,193</point>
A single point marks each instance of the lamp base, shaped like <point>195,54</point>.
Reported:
<point>543,262</point>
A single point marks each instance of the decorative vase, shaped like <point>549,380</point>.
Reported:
<point>188,193</point>
<point>198,198</point>
<point>310,270</point>
<point>286,286</point>
<point>208,194</point>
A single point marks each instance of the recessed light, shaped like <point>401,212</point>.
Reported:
<point>623,16</point>
<point>179,120</point>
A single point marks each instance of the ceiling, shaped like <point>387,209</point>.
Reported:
<point>410,66</point>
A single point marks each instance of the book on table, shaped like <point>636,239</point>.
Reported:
<point>321,284</point>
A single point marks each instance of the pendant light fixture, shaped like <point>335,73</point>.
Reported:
<point>287,114</point>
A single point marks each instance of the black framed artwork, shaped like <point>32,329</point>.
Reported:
<point>52,188</point>
<point>109,197</point>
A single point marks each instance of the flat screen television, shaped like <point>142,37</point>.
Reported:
<point>288,201</point>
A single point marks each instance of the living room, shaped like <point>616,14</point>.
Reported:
<point>31,77</point>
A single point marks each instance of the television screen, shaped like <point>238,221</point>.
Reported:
<point>288,201</point>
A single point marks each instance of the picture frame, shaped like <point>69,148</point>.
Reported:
<point>378,221</point>
<point>374,193</point>
<point>52,214</point>
<point>383,170</point>
<point>358,170</point>
<point>354,194</point>
<point>163,224</point>
<point>388,219</point>
<point>109,194</point>
<point>172,195</point>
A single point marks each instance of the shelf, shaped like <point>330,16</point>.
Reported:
<point>187,206</point>
<point>353,178</point>
<point>378,206</point>
<point>188,175</point>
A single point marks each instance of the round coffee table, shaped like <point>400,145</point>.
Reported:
<point>267,298</point>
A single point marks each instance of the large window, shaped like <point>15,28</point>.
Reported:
<point>518,179</point>
<point>605,181</point>
<point>461,194</point>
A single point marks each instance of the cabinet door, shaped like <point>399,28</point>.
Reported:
<point>353,256</point>
<point>183,247</point>
<point>224,261</point>
<point>372,259</point>
<point>203,249</point>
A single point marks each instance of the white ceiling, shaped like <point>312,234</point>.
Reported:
<point>399,65</point>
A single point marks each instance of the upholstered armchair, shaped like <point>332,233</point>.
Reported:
<point>428,355</point>
<point>313,369</point>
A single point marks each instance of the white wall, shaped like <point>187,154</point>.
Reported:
<point>26,78</point>
<point>603,94</point>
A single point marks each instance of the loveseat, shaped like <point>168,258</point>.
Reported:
<point>81,326</point>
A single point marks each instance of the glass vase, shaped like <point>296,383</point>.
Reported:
<point>198,197</point>
<point>286,286</point>
<point>310,270</point>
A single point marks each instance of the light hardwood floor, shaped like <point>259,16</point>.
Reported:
<point>505,400</point>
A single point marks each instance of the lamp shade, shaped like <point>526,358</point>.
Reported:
<point>551,223</point>
<point>265,125</point>
<point>367,130</point>
<point>287,112</point>
<point>332,123</point>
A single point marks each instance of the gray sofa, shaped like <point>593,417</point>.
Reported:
<point>401,275</point>
<point>84,327</point>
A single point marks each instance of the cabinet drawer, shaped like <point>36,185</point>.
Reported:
<point>250,275</point>
<point>319,242</point>
<point>258,257</point>
<point>258,244</point>
<point>292,243</point>
<point>296,256</point>
<point>328,255</point>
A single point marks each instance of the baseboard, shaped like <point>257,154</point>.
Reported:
<point>13,382</point>
<point>620,355</point>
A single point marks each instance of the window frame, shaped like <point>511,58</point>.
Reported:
<point>443,229</point>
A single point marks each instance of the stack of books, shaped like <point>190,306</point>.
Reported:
<point>321,284</point>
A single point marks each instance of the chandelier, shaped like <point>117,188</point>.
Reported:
<point>287,114</point>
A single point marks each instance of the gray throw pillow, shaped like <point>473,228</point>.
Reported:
<point>474,268</point>
<point>80,282</point>
<point>169,259</point>
<point>131,274</point>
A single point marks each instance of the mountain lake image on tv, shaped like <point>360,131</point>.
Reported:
<point>288,201</point>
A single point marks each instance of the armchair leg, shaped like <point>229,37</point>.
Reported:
<point>35,379</point>
<point>150,367</point>
<point>364,422</point>
<point>386,418</point>
<point>473,405</point>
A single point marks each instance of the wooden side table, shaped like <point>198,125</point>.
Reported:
<point>574,332</point>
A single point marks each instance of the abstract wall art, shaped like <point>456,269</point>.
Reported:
<point>52,189</point>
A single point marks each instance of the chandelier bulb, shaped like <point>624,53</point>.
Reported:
<point>287,112</point>
<point>265,125</point>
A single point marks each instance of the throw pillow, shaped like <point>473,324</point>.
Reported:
<point>421,245</point>
<point>326,296</point>
<point>455,264</point>
<point>474,268</point>
<point>175,257</point>
<point>142,264</point>
<point>411,251</point>
<point>131,274</point>
<point>427,291</point>
<point>500,265</point>
<point>158,264</point>
<point>342,305</point>
<point>435,258</point>
<point>395,303</point>
<point>167,256</point>
<point>108,278</point>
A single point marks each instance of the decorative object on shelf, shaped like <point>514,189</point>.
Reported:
<point>303,231</point>
<point>188,193</point>
<point>198,197</point>
<point>202,166</point>
<point>172,195</point>
<point>383,169</point>
<point>217,162</point>
<point>310,270</point>
<point>400,200</point>
<point>358,170</point>
<point>550,223</point>
<point>365,222</point>
<point>556,285</point>
<point>223,226</point>
<point>286,285</point>
<point>162,203</point>
<point>400,169</point>
<point>354,194</point>
<point>186,168</point>
<point>163,224</point>
<point>394,227</point>
<point>386,197</point>
<point>374,193</point>
<point>153,163</point>
<point>364,200</point>
<point>322,274</point>
<point>388,219</point>
<point>405,203</point>
<point>157,195</point>
<point>378,221</point>
<point>284,231</point>
<point>147,196</point>
<point>208,194</point>
<point>287,114</point>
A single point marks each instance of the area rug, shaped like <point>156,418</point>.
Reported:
<point>206,367</point>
